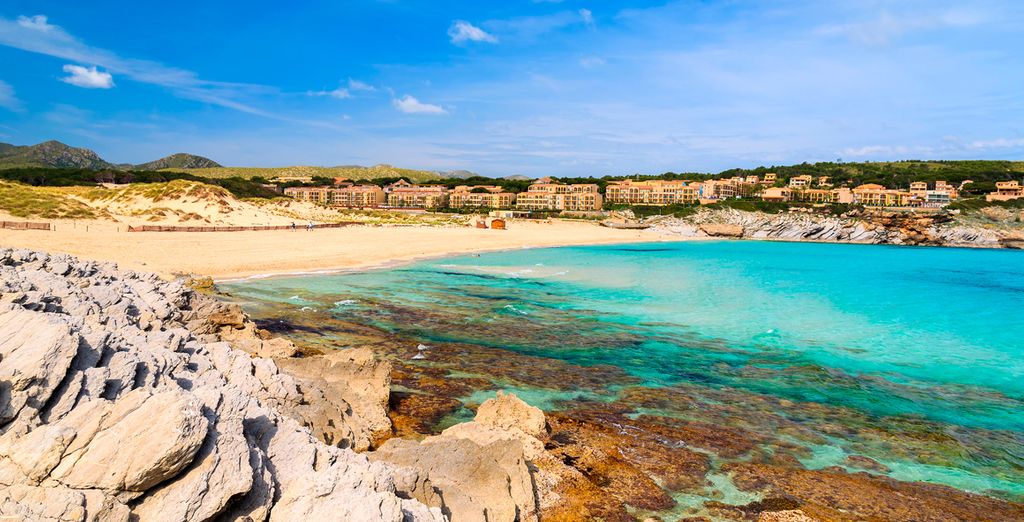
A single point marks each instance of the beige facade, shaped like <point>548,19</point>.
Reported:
<point>736,187</point>
<point>403,194</point>
<point>800,182</point>
<point>770,178</point>
<point>873,195</point>
<point>356,196</point>
<point>839,195</point>
<point>484,196</point>
<point>651,192</point>
<point>545,194</point>
<point>1005,191</point>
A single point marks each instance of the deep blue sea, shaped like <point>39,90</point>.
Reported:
<point>917,354</point>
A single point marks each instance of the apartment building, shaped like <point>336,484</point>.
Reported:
<point>481,196</point>
<point>839,195</point>
<point>736,187</point>
<point>770,179</point>
<point>652,192</point>
<point>403,194</point>
<point>1005,191</point>
<point>873,195</point>
<point>351,196</point>
<point>801,182</point>
<point>545,194</point>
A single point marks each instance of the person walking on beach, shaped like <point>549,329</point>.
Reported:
<point>310,226</point>
<point>293,226</point>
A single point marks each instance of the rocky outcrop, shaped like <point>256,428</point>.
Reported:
<point>721,229</point>
<point>863,226</point>
<point>111,408</point>
<point>479,470</point>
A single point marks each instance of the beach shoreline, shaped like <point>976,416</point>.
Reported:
<point>232,256</point>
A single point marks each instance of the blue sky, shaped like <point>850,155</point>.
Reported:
<point>518,86</point>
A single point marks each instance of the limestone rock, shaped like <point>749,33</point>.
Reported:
<point>722,230</point>
<point>111,408</point>
<point>476,483</point>
<point>507,411</point>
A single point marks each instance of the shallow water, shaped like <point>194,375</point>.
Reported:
<point>911,356</point>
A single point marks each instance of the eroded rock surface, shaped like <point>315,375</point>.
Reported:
<point>120,399</point>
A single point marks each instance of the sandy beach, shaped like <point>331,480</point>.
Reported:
<point>229,255</point>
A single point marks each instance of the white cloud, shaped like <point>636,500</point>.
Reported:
<point>591,62</point>
<point>36,23</point>
<point>87,77</point>
<point>356,85</point>
<point>462,31</point>
<point>999,143</point>
<point>339,93</point>
<point>7,98</point>
<point>888,26</point>
<point>587,16</point>
<point>411,105</point>
<point>37,35</point>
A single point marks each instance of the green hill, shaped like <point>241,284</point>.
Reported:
<point>180,160</point>
<point>350,172</point>
<point>50,154</point>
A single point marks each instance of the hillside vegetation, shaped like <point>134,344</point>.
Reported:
<point>50,177</point>
<point>179,161</point>
<point>24,201</point>
<point>350,172</point>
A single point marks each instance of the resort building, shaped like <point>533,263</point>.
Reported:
<point>726,188</point>
<point>1005,191</point>
<point>403,194</point>
<point>874,195</point>
<point>482,196</point>
<point>824,181</point>
<point>919,188</point>
<point>839,195</point>
<point>545,194</point>
<point>778,194</point>
<point>770,179</point>
<point>801,182</point>
<point>311,194</point>
<point>352,196</point>
<point>653,192</point>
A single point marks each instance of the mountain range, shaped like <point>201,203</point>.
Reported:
<point>59,155</point>
<point>54,154</point>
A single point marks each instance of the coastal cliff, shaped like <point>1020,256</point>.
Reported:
<point>864,226</point>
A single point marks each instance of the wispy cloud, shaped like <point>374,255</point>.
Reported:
<point>36,34</point>
<point>87,77</point>
<point>339,93</point>
<point>591,62</point>
<point>462,31</point>
<point>587,16</point>
<point>356,85</point>
<point>411,105</point>
<point>7,98</point>
<point>888,26</point>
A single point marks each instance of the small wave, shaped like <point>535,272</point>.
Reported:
<point>419,356</point>
<point>514,309</point>
<point>308,309</point>
<point>294,298</point>
<point>345,302</point>
<point>422,347</point>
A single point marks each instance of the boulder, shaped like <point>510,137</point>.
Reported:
<point>722,230</point>
<point>506,411</point>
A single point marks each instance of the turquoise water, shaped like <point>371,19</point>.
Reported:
<point>917,352</point>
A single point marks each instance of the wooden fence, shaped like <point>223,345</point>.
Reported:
<point>158,228</point>
<point>24,225</point>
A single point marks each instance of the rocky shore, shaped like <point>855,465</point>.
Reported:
<point>127,397</point>
<point>863,226</point>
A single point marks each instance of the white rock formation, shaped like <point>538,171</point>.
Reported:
<point>112,409</point>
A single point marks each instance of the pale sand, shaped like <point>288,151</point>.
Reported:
<point>227,255</point>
